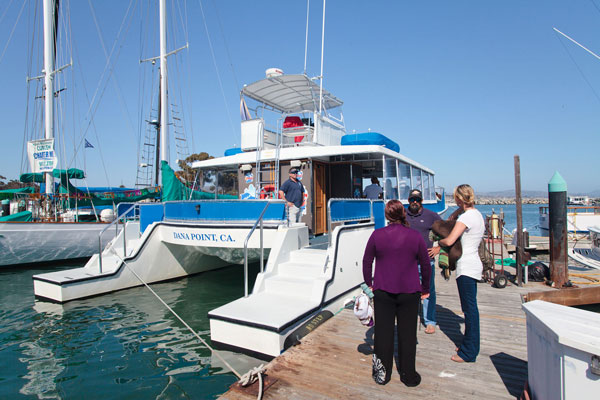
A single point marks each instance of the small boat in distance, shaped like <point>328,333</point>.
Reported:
<point>578,201</point>
<point>579,219</point>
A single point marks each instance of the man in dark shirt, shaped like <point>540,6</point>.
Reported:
<point>421,220</point>
<point>293,192</point>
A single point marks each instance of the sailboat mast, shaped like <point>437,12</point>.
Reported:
<point>164,119</point>
<point>50,10</point>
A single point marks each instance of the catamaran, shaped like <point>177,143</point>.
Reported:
<point>307,268</point>
<point>311,266</point>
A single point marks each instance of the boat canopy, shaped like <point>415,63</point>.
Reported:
<point>10,193</point>
<point>370,138</point>
<point>290,94</point>
<point>23,216</point>
<point>38,177</point>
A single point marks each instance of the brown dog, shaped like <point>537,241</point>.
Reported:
<point>443,228</point>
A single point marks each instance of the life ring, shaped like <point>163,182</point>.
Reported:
<point>267,191</point>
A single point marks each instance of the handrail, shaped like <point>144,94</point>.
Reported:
<point>330,221</point>
<point>116,222</point>
<point>259,220</point>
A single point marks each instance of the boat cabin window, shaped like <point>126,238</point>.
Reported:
<point>416,178</point>
<point>426,189</point>
<point>390,180</point>
<point>218,181</point>
<point>404,185</point>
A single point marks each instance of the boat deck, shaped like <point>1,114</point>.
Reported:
<point>334,362</point>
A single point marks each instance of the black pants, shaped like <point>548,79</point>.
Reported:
<point>389,308</point>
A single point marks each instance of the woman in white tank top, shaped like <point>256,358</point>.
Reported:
<point>469,229</point>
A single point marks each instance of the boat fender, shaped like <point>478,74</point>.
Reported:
<point>293,338</point>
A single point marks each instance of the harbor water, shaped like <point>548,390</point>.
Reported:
<point>530,212</point>
<point>116,346</point>
<point>125,344</point>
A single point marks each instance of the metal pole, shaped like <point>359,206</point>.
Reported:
<point>306,40</point>
<point>322,51</point>
<point>124,238</point>
<point>164,105</point>
<point>49,59</point>
<point>557,225</point>
<point>519,206</point>
<point>100,252</point>
<point>246,271</point>
<point>262,256</point>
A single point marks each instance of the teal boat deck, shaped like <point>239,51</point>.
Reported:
<point>334,361</point>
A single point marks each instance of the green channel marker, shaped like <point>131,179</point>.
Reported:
<point>557,184</point>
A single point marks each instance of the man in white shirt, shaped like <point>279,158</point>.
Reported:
<point>374,190</point>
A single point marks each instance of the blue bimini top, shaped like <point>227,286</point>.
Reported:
<point>370,138</point>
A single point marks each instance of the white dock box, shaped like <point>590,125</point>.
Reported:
<point>563,351</point>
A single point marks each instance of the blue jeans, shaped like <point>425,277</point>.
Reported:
<point>429,303</point>
<point>467,291</point>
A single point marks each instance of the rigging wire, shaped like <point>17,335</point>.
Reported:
<point>111,75</point>
<point>237,84</point>
<point>212,52</point>
<point>12,30</point>
<point>184,23</point>
<point>28,90</point>
<point>575,62</point>
<point>93,104</point>
<point>5,11</point>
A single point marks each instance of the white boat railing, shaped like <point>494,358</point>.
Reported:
<point>262,260</point>
<point>350,210</point>
<point>123,215</point>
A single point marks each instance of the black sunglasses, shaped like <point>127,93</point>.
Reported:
<point>412,199</point>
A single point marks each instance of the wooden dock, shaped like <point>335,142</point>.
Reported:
<point>334,361</point>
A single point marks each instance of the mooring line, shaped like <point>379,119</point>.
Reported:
<point>179,318</point>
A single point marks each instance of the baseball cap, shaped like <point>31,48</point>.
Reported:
<point>416,193</point>
<point>293,171</point>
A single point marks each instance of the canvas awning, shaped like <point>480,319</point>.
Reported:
<point>290,94</point>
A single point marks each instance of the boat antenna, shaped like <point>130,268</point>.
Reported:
<point>322,50</point>
<point>306,40</point>
<point>578,44</point>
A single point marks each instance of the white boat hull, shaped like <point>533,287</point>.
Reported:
<point>577,222</point>
<point>34,242</point>
<point>164,251</point>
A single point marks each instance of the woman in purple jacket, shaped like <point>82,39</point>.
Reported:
<point>398,250</point>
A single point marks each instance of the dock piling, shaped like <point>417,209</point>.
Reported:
<point>557,213</point>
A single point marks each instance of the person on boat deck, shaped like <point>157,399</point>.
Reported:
<point>421,219</point>
<point>292,191</point>
<point>374,191</point>
<point>469,228</point>
<point>398,251</point>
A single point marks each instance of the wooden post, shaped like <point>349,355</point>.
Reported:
<point>557,225</point>
<point>519,206</point>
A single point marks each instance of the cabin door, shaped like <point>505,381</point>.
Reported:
<point>319,198</point>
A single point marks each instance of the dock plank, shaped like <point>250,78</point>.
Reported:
<point>334,361</point>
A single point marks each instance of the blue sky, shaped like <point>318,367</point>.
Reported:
<point>462,86</point>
